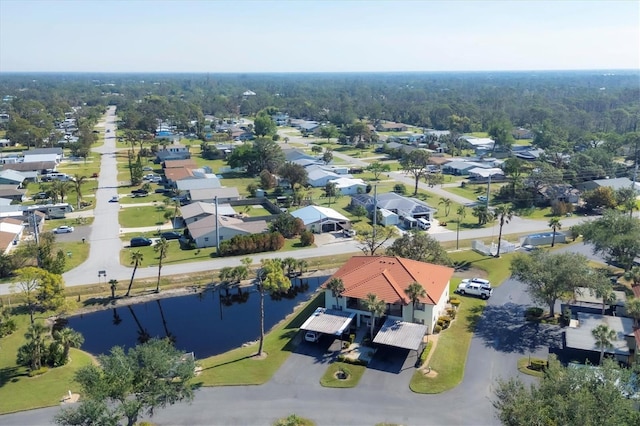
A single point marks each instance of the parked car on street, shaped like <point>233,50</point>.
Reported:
<point>64,229</point>
<point>482,198</point>
<point>475,280</point>
<point>140,242</point>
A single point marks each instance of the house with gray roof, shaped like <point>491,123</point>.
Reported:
<point>404,207</point>
<point>11,177</point>
<point>615,184</point>
<point>461,168</point>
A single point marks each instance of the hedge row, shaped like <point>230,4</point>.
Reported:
<point>256,243</point>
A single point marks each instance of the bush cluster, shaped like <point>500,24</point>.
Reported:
<point>538,364</point>
<point>452,313</point>
<point>256,243</point>
<point>455,302</point>
<point>437,329</point>
<point>307,238</point>
<point>444,322</point>
<point>533,313</point>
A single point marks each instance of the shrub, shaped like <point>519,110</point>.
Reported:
<point>7,327</point>
<point>256,243</point>
<point>400,188</point>
<point>444,319</point>
<point>455,302</point>
<point>533,312</point>
<point>538,364</point>
<point>307,238</point>
<point>437,329</point>
<point>451,312</point>
<point>38,372</point>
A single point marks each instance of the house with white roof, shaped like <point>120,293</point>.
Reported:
<point>404,207</point>
<point>11,177</point>
<point>203,231</point>
<point>349,186</point>
<point>43,154</point>
<point>208,195</point>
<point>319,176</point>
<point>10,233</point>
<point>321,219</point>
<point>483,174</point>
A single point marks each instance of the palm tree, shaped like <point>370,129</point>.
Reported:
<point>461,212</point>
<point>633,275</point>
<point>271,278</point>
<point>290,264</point>
<point>161,248</point>
<point>61,188</point>
<point>35,347</point>
<point>68,338</point>
<point>376,307</point>
<point>554,224</point>
<point>136,260</point>
<point>336,286</point>
<point>415,291</point>
<point>632,307</point>
<point>77,186</point>
<point>447,205</point>
<point>113,285</point>
<point>483,214</point>
<point>302,265</point>
<point>504,214</point>
<point>630,205</point>
<point>604,338</point>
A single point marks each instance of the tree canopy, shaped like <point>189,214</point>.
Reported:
<point>419,246</point>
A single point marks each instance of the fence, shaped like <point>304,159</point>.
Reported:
<point>491,250</point>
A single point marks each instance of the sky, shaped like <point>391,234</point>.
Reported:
<point>317,36</point>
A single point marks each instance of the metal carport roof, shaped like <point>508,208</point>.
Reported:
<point>401,334</point>
<point>328,321</point>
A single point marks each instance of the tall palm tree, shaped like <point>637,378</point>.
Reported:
<point>554,224</point>
<point>504,213</point>
<point>376,307</point>
<point>136,260</point>
<point>113,285</point>
<point>68,338</point>
<point>271,278</point>
<point>336,286</point>
<point>35,346</point>
<point>461,212</point>
<point>290,264</point>
<point>302,265</point>
<point>161,248</point>
<point>61,188</point>
<point>415,291</point>
<point>77,187</point>
<point>447,205</point>
<point>632,307</point>
<point>239,274</point>
<point>604,338</point>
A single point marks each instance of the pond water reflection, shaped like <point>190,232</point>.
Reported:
<point>207,323</point>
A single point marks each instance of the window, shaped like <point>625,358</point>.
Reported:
<point>420,306</point>
<point>206,239</point>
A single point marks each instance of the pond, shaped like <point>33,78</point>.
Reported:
<point>207,323</point>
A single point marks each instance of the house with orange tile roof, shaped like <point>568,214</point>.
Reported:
<point>388,277</point>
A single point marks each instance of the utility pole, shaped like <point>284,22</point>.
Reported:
<point>215,200</point>
<point>488,190</point>
<point>37,237</point>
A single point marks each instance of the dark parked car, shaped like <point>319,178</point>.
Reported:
<point>140,242</point>
<point>170,235</point>
<point>140,192</point>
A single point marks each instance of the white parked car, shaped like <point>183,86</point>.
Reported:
<point>63,229</point>
<point>311,336</point>
<point>482,198</point>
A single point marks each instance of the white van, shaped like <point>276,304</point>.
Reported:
<point>424,224</point>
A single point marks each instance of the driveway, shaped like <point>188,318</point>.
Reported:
<point>308,362</point>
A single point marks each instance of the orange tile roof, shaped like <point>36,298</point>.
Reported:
<point>178,173</point>
<point>388,276</point>
<point>172,164</point>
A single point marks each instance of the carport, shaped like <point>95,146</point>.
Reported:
<point>401,334</point>
<point>328,321</point>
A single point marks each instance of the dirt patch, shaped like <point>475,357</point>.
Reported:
<point>472,272</point>
<point>259,357</point>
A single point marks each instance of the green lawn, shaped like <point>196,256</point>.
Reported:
<point>472,192</point>
<point>76,252</point>
<point>81,167</point>
<point>174,255</point>
<point>355,372</point>
<point>450,356</point>
<point>136,217</point>
<point>239,367</point>
<point>20,392</point>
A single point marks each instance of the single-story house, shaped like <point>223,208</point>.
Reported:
<point>404,207</point>
<point>388,277</point>
<point>586,300</point>
<point>436,134</point>
<point>486,143</point>
<point>11,177</point>
<point>43,154</point>
<point>529,154</point>
<point>10,233</point>
<point>208,195</point>
<point>615,184</point>
<point>580,344</point>
<point>175,174</point>
<point>461,168</point>
<point>321,219</point>
<point>482,173</point>
<point>349,186</point>
<point>198,210</point>
<point>173,152</point>
<point>198,181</point>
<point>560,193</point>
<point>37,166</point>
<point>390,126</point>
<point>12,193</point>
<point>522,133</point>
<point>173,164</point>
<point>293,154</point>
<point>319,177</point>
<point>304,125</point>
<point>203,231</point>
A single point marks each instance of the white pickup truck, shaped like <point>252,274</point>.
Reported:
<point>475,289</point>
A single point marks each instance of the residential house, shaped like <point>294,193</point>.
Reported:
<point>11,177</point>
<point>390,126</point>
<point>349,186</point>
<point>586,300</point>
<point>40,167</point>
<point>436,134</point>
<point>461,167</point>
<point>615,184</point>
<point>198,180</point>
<point>11,230</point>
<point>11,192</point>
<point>321,219</point>
<point>482,174</point>
<point>388,277</point>
<point>318,176</point>
<point>176,174</point>
<point>173,152</point>
<point>522,133</point>
<point>203,231</point>
<point>388,218</point>
<point>293,154</point>
<point>208,195</point>
<point>305,126</point>
<point>43,154</point>
<point>404,207</point>
<point>580,344</point>
<point>486,143</point>
<point>560,193</point>
<point>172,164</point>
